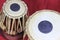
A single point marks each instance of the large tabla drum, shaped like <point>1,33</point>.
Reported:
<point>13,17</point>
<point>43,25</point>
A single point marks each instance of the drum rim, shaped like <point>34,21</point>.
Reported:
<point>23,14</point>
<point>27,23</point>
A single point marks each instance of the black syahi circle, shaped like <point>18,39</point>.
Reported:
<point>15,7</point>
<point>45,26</point>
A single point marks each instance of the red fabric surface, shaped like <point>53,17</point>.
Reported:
<point>2,38</point>
<point>1,4</point>
<point>34,5</point>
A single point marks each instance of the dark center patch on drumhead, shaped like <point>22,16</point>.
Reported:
<point>45,26</point>
<point>15,7</point>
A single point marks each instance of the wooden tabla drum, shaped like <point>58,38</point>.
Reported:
<point>43,25</point>
<point>13,17</point>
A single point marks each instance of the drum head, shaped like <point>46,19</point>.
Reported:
<point>15,9</point>
<point>44,25</point>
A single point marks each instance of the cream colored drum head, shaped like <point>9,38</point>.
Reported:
<point>15,9</point>
<point>44,25</point>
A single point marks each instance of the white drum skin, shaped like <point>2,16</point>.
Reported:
<point>15,14</point>
<point>33,31</point>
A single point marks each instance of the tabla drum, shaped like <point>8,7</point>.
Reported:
<point>13,17</point>
<point>44,25</point>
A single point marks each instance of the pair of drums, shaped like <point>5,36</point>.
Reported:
<point>43,25</point>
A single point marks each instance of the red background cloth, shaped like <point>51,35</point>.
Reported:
<point>35,5</point>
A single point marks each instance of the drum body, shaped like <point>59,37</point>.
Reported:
<point>13,17</point>
<point>43,25</point>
